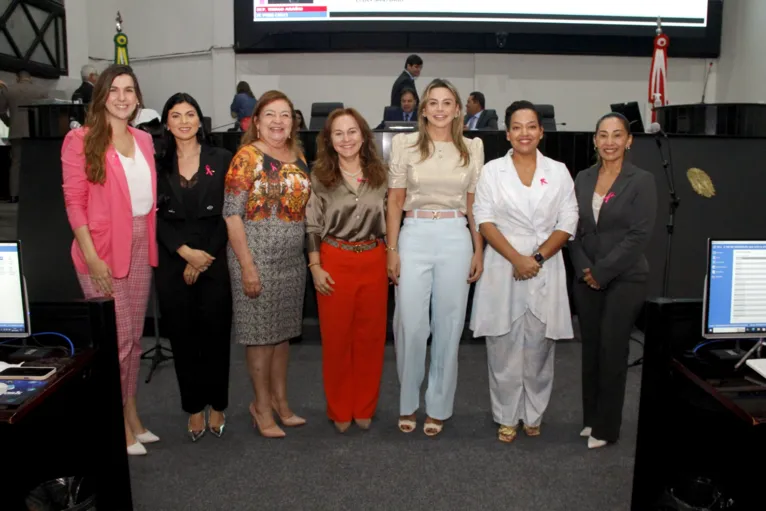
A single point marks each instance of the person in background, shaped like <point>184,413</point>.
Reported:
<point>267,188</point>
<point>618,206</point>
<point>84,92</point>
<point>192,279</point>
<point>477,117</point>
<point>300,120</point>
<point>346,224</point>
<point>109,184</point>
<point>12,99</point>
<point>243,105</point>
<point>412,68</point>
<point>435,258</point>
<point>526,210</point>
<point>407,112</point>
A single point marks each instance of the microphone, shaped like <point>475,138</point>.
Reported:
<point>655,129</point>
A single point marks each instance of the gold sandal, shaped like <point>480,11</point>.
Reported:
<point>532,430</point>
<point>506,434</point>
<point>407,425</point>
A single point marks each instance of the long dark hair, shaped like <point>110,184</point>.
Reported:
<point>99,134</point>
<point>244,88</point>
<point>327,167</point>
<point>168,150</point>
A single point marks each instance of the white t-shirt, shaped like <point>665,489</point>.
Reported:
<point>139,178</point>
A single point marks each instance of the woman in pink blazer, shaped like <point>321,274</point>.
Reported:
<point>110,192</point>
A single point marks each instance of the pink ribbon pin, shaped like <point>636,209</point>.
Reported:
<point>609,196</point>
<point>209,171</point>
<point>543,181</point>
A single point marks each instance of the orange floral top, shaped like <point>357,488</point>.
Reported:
<point>259,187</point>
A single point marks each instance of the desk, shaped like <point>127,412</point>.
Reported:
<point>74,425</point>
<point>67,370</point>
<point>696,419</point>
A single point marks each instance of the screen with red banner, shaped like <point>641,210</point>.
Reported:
<point>687,13</point>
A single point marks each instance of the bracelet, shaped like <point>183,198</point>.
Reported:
<point>392,249</point>
<point>314,264</point>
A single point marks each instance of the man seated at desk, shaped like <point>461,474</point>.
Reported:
<point>476,117</point>
<point>406,112</point>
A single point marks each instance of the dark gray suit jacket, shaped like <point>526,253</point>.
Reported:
<point>487,120</point>
<point>403,81</point>
<point>614,247</point>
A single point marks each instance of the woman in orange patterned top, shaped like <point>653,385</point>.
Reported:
<point>267,188</point>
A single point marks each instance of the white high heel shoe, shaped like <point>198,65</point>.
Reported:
<point>586,431</point>
<point>595,443</point>
<point>147,437</point>
<point>137,449</point>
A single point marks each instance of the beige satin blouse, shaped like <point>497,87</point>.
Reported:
<point>439,182</point>
<point>345,214</point>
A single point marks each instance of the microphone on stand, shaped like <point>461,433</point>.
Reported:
<point>667,165</point>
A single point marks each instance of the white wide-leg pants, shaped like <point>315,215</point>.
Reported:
<point>520,372</point>
<point>435,264</point>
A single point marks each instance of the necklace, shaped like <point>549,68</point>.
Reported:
<point>350,174</point>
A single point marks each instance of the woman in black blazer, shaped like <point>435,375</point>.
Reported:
<point>618,205</point>
<point>193,284</point>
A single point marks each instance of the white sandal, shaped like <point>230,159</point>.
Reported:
<point>407,425</point>
<point>432,429</point>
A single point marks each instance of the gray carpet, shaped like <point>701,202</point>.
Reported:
<point>317,468</point>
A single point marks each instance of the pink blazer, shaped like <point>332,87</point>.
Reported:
<point>106,209</point>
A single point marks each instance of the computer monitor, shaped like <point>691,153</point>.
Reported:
<point>734,302</point>
<point>632,112</point>
<point>14,305</point>
<point>400,125</point>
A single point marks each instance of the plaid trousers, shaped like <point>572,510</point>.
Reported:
<point>131,296</point>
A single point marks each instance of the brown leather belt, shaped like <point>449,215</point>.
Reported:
<point>352,246</point>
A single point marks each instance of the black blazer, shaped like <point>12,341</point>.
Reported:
<point>403,82</point>
<point>614,247</point>
<point>84,92</point>
<point>206,232</point>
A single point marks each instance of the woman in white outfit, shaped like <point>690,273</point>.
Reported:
<point>432,177</point>
<point>526,209</point>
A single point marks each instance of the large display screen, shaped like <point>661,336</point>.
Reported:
<point>687,13</point>
<point>594,27</point>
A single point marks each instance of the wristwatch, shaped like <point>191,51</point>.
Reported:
<point>539,258</point>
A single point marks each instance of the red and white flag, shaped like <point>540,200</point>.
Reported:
<point>658,74</point>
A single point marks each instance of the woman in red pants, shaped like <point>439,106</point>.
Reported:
<point>110,192</point>
<point>346,224</point>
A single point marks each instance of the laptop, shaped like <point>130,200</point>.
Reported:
<point>14,303</point>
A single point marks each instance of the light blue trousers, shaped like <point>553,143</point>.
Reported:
<point>435,262</point>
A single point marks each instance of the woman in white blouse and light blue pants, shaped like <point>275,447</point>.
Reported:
<point>433,174</point>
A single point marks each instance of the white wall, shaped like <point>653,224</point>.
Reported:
<point>192,52</point>
<point>580,87</point>
<point>742,67</point>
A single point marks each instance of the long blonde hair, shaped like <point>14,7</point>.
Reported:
<point>424,142</point>
<point>252,135</point>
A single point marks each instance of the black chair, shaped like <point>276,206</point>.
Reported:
<point>319,114</point>
<point>548,113</point>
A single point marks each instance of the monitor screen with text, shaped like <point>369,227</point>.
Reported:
<point>735,289</point>
<point>687,13</point>
<point>14,320</point>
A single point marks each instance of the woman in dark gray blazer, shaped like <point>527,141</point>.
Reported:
<point>618,205</point>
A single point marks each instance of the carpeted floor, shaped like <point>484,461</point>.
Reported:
<point>316,468</point>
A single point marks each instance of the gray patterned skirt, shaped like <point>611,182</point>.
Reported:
<point>276,315</point>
